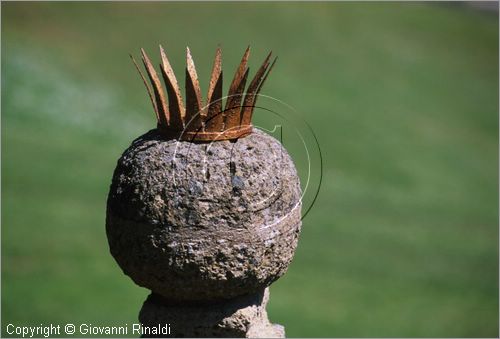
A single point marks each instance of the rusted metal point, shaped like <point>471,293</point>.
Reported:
<point>209,121</point>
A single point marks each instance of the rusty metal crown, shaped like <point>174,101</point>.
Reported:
<point>196,121</point>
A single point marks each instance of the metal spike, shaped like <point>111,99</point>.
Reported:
<point>233,101</point>
<point>248,117</point>
<point>193,95</point>
<point>175,103</point>
<point>158,90</point>
<point>267,74</point>
<point>233,106</point>
<point>213,117</point>
<point>237,78</point>
<point>250,97</point>
<point>150,92</point>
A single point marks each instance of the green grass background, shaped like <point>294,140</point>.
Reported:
<point>403,98</point>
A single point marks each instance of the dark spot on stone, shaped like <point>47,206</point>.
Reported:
<point>195,187</point>
<point>237,183</point>
<point>192,217</point>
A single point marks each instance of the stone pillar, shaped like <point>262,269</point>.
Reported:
<point>207,227</point>
<point>239,317</point>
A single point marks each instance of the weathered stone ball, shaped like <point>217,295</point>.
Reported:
<point>204,221</point>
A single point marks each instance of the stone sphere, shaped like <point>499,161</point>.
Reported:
<point>204,221</point>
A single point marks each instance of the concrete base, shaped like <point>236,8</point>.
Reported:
<point>241,317</point>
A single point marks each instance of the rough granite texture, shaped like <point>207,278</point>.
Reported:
<point>241,317</point>
<point>204,221</point>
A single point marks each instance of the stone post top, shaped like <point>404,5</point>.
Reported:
<point>204,221</point>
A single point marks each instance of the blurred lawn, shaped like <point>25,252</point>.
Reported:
<point>403,97</point>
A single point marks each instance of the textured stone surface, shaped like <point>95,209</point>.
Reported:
<point>198,221</point>
<point>241,317</point>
